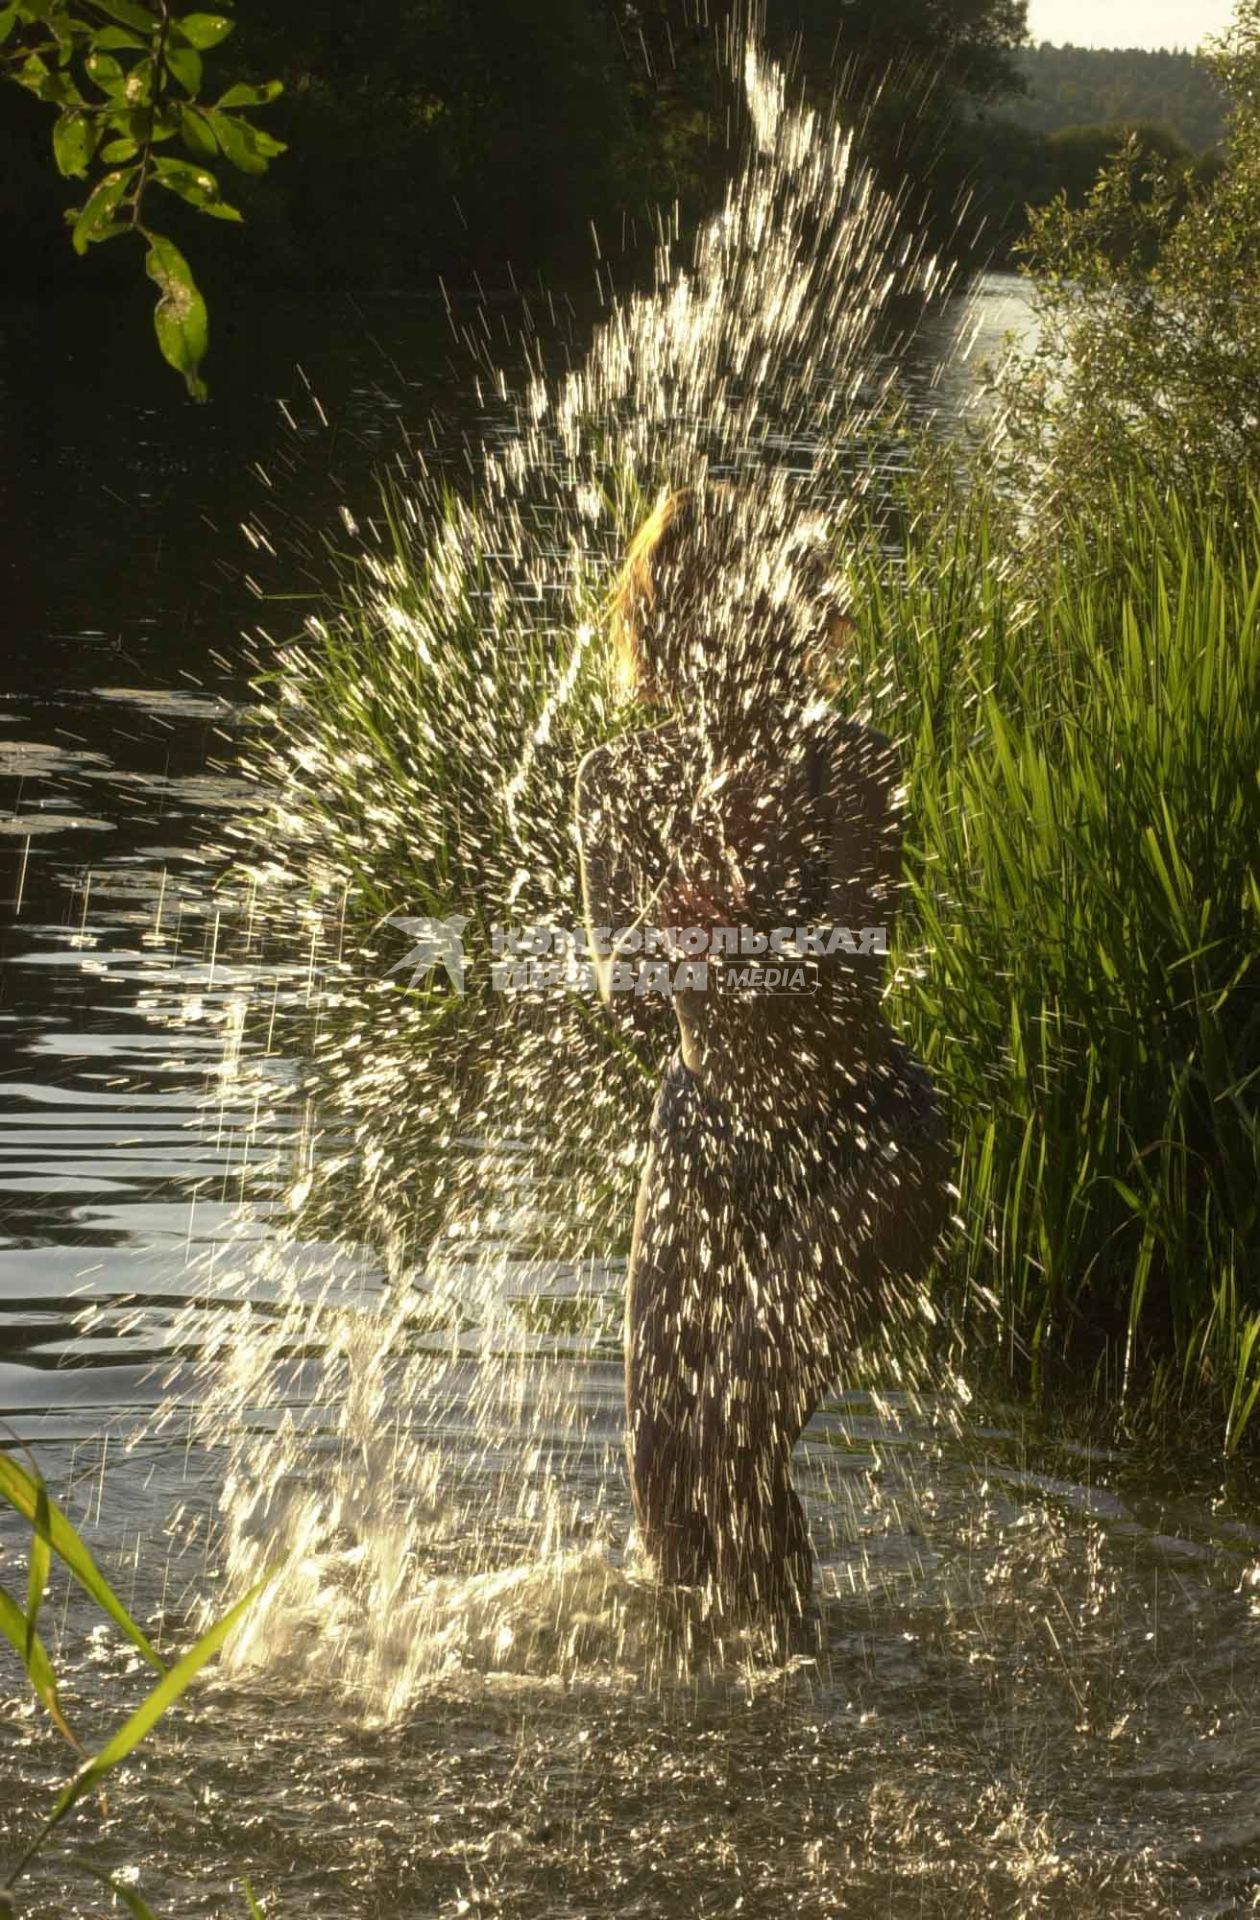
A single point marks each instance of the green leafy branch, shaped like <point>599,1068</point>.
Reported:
<point>126,81</point>
<point>52,1534</point>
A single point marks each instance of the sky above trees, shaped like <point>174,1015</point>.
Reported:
<point>1128,23</point>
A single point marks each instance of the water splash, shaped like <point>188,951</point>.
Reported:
<point>405,1415</point>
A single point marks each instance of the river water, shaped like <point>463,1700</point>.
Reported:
<point>1036,1684</point>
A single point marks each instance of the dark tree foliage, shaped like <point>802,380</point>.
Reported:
<point>465,137</point>
<point>135,119</point>
<point>1078,154</point>
<point>1014,171</point>
<point>1147,357</point>
<point>441,135</point>
<point>914,74</point>
<point>943,47</point>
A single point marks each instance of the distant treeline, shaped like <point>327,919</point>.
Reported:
<point>1081,104</point>
<point>480,140</point>
<point>1096,86</point>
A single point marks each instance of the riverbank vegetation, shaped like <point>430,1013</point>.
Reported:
<point>1120,86</point>
<point>1082,951</point>
<point>1078,658</point>
<point>1149,294</point>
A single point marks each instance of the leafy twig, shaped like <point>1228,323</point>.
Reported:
<point>125,78</point>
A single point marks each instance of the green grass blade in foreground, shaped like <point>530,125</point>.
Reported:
<point>134,1904</point>
<point>40,1566</point>
<point>17,1630</point>
<point>26,1493</point>
<point>255,1911</point>
<point>173,1683</point>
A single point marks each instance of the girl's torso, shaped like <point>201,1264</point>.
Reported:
<point>798,834</point>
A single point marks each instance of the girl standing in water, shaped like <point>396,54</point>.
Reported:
<point>795,1186</point>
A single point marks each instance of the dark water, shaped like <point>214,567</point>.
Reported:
<point>1037,1685</point>
<point>128,586</point>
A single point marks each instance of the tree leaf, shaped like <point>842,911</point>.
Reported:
<point>8,20</point>
<point>32,73</point>
<point>248,94</point>
<point>198,134</point>
<point>136,91</point>
<point>129,121</point>
<point>37,77</point>
<point>111,39</point>
<point>124,149</point>
<point>180,318</point>
<point>185,64</point>
<point>98,210</point>
<point>104,72</point>
<point>204,29</point>
<point>21,1490</point>
<point>219,209</point>
<point>247,147</point>
<point>187,173</point>
<point>60,24</point>
<point>74,137</point>
<point>195,185</point>
<point>130,14</point>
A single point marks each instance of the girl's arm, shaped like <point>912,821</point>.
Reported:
<point>609,899</point>
<point>863,793</point>
<point>862,807</point>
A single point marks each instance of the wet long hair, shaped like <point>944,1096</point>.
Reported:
<point>723,585</point>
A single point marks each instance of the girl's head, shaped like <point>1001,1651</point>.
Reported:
<point>657,596</point>
<point>724,592</point>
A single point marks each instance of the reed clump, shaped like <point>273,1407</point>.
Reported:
<point>1081,961</point>
<point>415,760</point>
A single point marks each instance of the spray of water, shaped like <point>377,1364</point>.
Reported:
<point>403,1378</point>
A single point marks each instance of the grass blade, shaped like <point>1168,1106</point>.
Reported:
<point>129,1897</point>
<point>27,1494</point>
<point>173,1683</point>
<point>18,1631</point>
<point>40,1566</point>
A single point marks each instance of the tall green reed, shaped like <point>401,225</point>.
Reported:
<point>1082,953</point>
<point>416,753</point>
